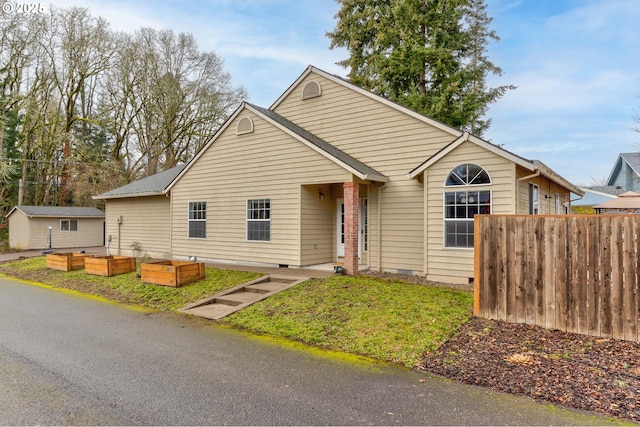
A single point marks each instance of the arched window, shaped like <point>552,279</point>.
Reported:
<point>467,174</point>
<point>462,205</point>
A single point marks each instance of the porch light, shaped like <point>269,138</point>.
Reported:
<point>320,195</point>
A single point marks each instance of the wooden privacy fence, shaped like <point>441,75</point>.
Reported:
<point>575,273</point>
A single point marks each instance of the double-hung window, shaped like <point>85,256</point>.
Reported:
<point>259,220</point>
<point>197,220</point>
<point>462,204</point>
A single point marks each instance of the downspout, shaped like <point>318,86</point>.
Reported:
<point>533,175</point>
<point>425,224</point>
<point>167,194</point>
<point>379,225</point>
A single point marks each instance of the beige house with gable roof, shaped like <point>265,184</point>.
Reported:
<point>334,173</point>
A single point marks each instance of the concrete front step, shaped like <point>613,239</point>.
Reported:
<point>226,302</point>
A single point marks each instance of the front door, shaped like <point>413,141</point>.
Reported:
<point>340,228</point>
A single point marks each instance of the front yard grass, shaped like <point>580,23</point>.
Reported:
<point>384,319</point>
<point>128,288</point>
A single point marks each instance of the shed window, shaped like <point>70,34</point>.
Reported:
<point>68,225</point>
<point>197,220</point>
<point>259,220</point>
<point>461,206</point>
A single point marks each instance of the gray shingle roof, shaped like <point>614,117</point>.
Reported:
<point>318,142</point>
<point>633,160</point>
<point>61,211</point>
<point>152,185</point>
<point>609,189</point>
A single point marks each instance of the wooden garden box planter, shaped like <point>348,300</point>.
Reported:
<point>67,261</point>
<point>109,265</point>
<point>171,273</point>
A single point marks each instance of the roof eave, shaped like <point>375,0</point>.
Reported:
<point>550,174</point>
<point>130,195</point>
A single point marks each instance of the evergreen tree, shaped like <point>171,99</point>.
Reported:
<point>429,55</point>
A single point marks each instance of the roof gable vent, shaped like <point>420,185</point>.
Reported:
<point>245,125</point>
<point>311,90</point>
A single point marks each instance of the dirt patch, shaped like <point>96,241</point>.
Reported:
<point>412,278</point>
<point>578,371</point>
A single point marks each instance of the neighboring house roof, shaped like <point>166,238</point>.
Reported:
<point>594,195</point>
<point>632,159</point>
<point>154,185</point>
<point>532,165</point>
<point>607,190</point>
<point>58,211</point>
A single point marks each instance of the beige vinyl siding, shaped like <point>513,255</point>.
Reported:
<point>451,264</point>
<point>387,140</point>
<point>265,164</point>
<point>20,232</point>
<point>145,220</point>
<point>33,233</point>
<point>317,225</point>
<point>401,228</point>
<point>547,188</point>
<point>90,232</point>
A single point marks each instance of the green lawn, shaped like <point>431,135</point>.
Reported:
<point>383,319</point>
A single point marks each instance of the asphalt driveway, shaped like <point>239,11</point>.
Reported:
<point>72,359</point>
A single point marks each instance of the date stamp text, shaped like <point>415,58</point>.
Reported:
<point>24,8</point>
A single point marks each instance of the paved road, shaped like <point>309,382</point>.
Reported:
<point>68,359</point>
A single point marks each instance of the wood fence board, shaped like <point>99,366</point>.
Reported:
<point>538,285</point>
<point>617,278</point>
<point>629,313</point>
<point>575,273</point>
<point>561,276</point>
<point>501,272</point>
<point>549,278</point>
<point>516,274</point>
<point>605,268</point>
<point>593,262</point>
<point>478,256</point>
<point>580,285</point>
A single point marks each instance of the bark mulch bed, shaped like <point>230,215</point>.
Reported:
<point>578,371</point>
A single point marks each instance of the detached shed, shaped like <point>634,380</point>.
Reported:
<point>71,227</point>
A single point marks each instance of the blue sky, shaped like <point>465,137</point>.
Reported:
<point>576,64</point>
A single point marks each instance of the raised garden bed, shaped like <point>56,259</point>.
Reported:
<point>109,265</point>
<point>67,261</point>
<point>171,273</point>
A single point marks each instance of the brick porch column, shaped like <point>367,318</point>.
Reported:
<point>351,209</point>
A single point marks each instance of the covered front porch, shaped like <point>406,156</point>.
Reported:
<point>335,224</point>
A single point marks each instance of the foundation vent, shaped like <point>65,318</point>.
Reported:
<point>245,125</point>
<point>311,90</point>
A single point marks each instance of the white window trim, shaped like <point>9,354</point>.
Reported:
<point>248,220</point>
<point>69,230</point>
<point>444,183</point>
<point>534,202</point>
<point>455,189</point>
<point>189,220</point>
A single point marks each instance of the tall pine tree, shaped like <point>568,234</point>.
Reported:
<point>429,55</point>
